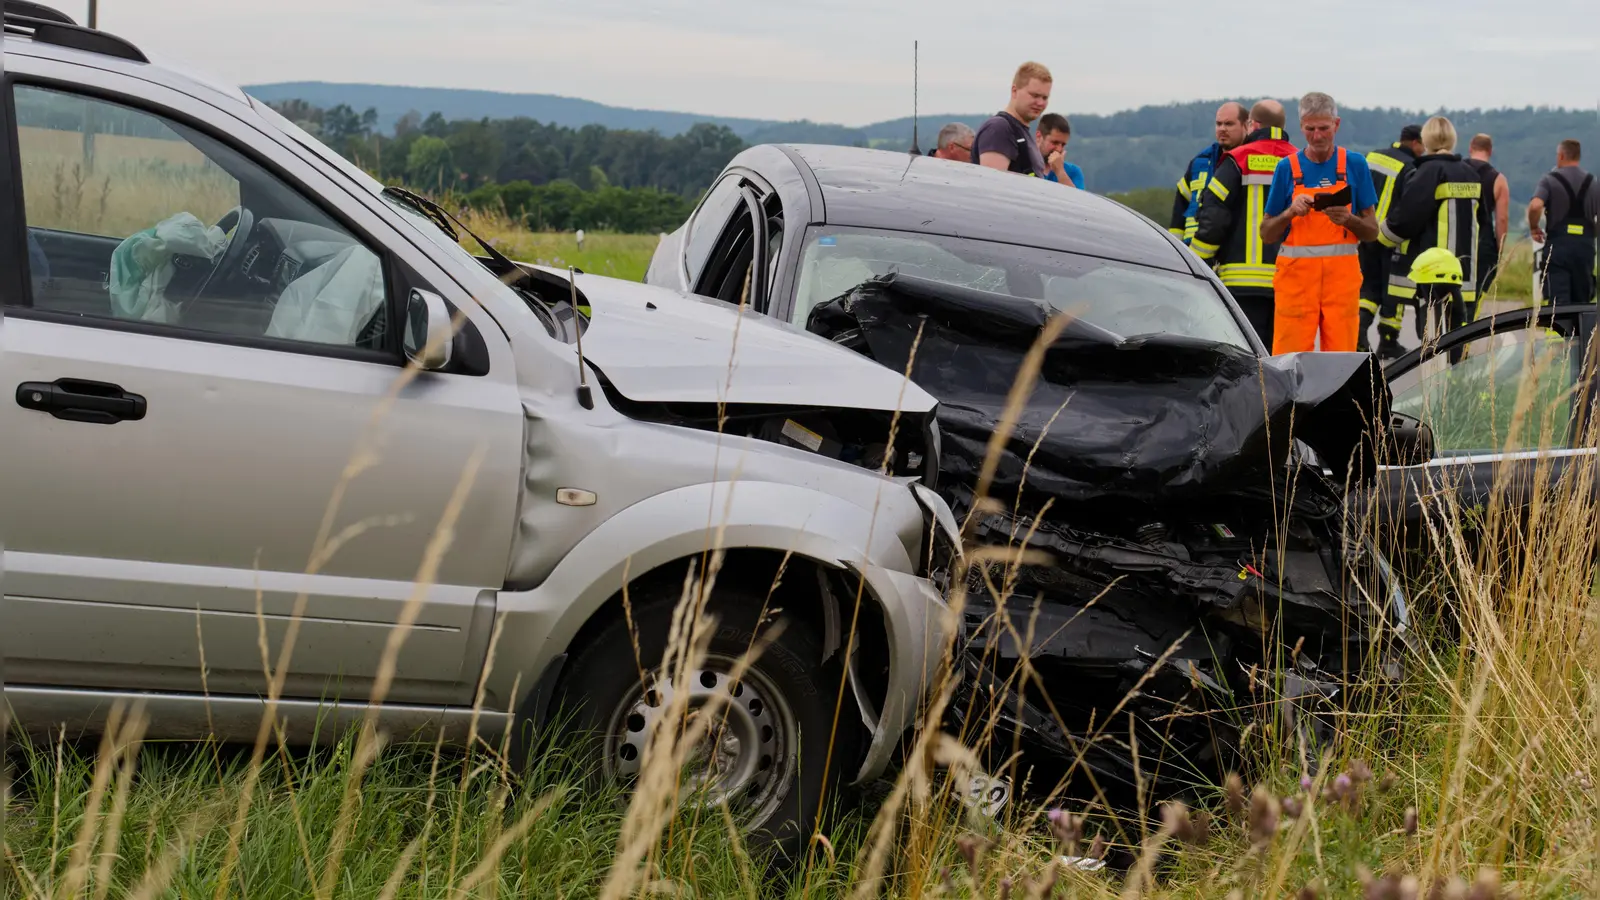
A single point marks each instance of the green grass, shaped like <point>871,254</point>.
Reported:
<point>625,256</point>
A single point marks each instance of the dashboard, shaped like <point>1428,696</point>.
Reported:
<point>282,250</point>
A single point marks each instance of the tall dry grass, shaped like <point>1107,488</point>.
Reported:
<point>133,183</point>
<point>1479,777</point>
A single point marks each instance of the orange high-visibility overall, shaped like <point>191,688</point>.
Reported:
<point>1317,282</point>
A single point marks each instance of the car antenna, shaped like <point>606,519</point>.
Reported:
<point>585,396</point>
<point>915,151</point>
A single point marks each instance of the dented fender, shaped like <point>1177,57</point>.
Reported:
<point>540,624</point>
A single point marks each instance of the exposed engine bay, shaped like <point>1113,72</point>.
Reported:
<point>1190,565</point>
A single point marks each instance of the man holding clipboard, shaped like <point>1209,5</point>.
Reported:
<point>1321,206</point>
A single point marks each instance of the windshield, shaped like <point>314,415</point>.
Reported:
<point>1126,299</point>
<point>360,176</point>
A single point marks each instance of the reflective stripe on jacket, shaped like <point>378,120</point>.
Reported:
<point>1191,186</point>
<point>1440,205</point>
<point>1229,222</point>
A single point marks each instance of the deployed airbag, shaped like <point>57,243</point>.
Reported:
<point>141,266</point>
<point>332,303</point>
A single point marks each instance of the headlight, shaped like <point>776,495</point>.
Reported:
<point>941,547</point>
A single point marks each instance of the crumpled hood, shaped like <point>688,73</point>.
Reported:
<point>1155,419</point>
<point>657,345</point>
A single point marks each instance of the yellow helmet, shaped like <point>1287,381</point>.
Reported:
<point>1436,266</point>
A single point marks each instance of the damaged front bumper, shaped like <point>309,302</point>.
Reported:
<point>1201,576</point>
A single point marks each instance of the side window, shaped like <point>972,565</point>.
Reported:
<point>727,270</point>
<point>710,220</point>
<point>134,217</point>
<point>1499,393</point>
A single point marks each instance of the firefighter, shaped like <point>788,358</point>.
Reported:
<point>1316,285</point>
<point>1390,165</point>
<point>1441,206</point>
<point>1569,202</point>
<point>1225,236</point>
<point>1191,185</point>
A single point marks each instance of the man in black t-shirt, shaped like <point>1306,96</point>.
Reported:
<point>1004,142</point>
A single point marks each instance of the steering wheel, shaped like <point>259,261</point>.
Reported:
<point>238,223</point>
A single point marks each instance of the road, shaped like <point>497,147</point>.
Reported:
<point>1408,334</point>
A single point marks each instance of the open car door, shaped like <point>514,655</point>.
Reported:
<point>1509,400</point>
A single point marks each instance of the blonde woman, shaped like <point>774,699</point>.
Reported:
<point>1442,206</point>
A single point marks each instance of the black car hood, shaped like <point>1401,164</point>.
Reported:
<point>1152,419</point>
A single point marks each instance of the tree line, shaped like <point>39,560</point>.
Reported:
<point>561,177</point>
<point>550,176</point>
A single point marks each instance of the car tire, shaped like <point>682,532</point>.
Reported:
<point>780,717</point>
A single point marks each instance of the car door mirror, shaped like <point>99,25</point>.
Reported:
<point>429,336</point>
<point>1409,442</point>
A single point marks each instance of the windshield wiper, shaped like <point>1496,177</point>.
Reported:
<point>500,264</point>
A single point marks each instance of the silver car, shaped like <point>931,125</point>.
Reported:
<point>207,314</point>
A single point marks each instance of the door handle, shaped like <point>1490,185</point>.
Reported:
<point>77,400</point>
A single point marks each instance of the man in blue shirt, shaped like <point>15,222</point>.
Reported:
<point>1054,132</point>
<point>1321,174</point>
<point>1316,283</point>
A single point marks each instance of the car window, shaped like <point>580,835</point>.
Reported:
<point>138,218</point>
<point>1505,392</point>
<point>1126,299</point>
<point>708,223</point>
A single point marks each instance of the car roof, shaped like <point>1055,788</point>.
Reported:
<point>157,71</point>
<point>889,189</point>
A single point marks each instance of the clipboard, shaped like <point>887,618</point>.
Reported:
<point>1341,197</point>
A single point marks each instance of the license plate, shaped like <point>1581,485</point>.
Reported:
<point>987,795</point>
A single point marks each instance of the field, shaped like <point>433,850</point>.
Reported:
<point>616,255</point>
<point>1480,772</point>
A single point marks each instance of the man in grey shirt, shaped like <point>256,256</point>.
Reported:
<point>1570,203</point>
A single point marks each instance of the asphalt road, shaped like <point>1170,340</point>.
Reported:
<point>1408,332</point>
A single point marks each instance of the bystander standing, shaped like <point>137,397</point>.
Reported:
<point>1003,141</point>
<point>953,143</point>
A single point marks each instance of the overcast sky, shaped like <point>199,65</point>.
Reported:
<point>849,61</point>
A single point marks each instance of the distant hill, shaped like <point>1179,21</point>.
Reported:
<point>393,101</point>
<point>1138,148</point>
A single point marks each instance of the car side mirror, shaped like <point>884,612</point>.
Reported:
<point>1409,442</point>
<point>429,337</point>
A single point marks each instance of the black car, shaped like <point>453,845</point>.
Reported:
<point>824,217</point>
<point>1187,488</point>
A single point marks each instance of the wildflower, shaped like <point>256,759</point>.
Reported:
<point>970,847</point>
<point>1387,783</point>
<point>1410,824</point>
<point>1005,889</point>
<point>1305,783</point>
<point>1175,818</point>
<point>1292,807</point>
<point>1098,847</point>
<point>1263,815</point>
<point>1487,887</point>
<point>1067,828</point>
<point>1233,793</point>
<point>1311,891</point>
<point>1387,887</point>
<point>1360,770</point>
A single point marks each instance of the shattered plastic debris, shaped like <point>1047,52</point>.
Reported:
<point>1169,467</point>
